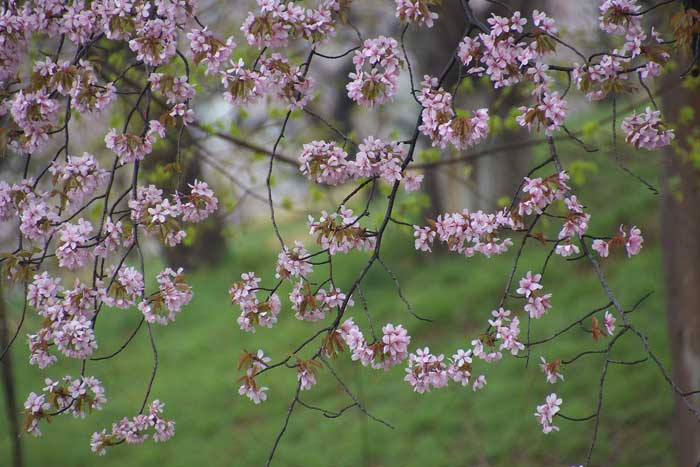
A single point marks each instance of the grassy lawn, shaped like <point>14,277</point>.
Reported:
<point>448,427</point>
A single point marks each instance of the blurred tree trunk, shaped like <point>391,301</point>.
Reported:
<point>680,224</point>
<point>8,382</point>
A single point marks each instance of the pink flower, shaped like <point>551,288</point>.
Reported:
<point>306,378</point>
<point>74,252</point>
<point>324,162</point>
<point>395,342</point>
<point>200,203</point>
<point>128,147</point>
<point>479,383</point>
<point>340,232</point>
<point>426,371</point>
<point>35,113</point>
<point>81,176</point>
<point>617,16</point>
<point>537,306</point>
<point>646,130</point>
<point>416,11</point>
<point>609,321</point>
<point>602,247</point>
<point>209,50</point>
<point>567,249</point>
<point>551,370</point>
<point>529,284</point>
<point>375,158</point>
<point>155,41</point>
<point>253,392</point>
<point>466,233</point>
<point>377,68</point>
<point>634,242</point>
<point>293,263</point>
<point>135,430</point>
<point>173,294</point>
<point>412,182</point>
<point>550,112</point>
<point>545,413</point>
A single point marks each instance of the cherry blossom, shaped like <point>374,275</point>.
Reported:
<point>546,412</point>
<point>551,370</point>
<point>378,84</point>
<point>324,162</point>
<point>135,430</point>
<point>416,11</point>
<point>609,322</point>
<point>339,232</point>
<point>646,130</point>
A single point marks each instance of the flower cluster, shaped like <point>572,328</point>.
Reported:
<point>385,353</point>
<point>177,92</point>
<point>154,42</point>
<point>126,289</point>
<point>619,16</point>
<point>313,306</point>
<point>173,294</point>
<point>306,373</point>
<point>440,123</point>
<point>129,147</point>
<point>376,158</point>
<point>632,241</point>
<point>377,69</point>
<point>646,130</point>
<point>426,371</point>
<point>551,370</point>
<point>80,177</point>
<point>277,76</point>
<point>546,412</point>
<point>417,11</point>
<point>135,430</point>
<point>340,232</point>
<point>199,204</point>
<point>76,396</point>
<point>290,84</point>
<point>243,86</point>
<point>537,302</point>
<point>293,263</point>
<point>67,319</point>
<point>502,55</point>
<point>324,162</point>
<point>327,163</point>
<point>252,364</point>
<point>161,216</point>
<point>38,216</point>
<point>254,312</point>
<point>277,22</point>
<point>507,331</point>
<point>610,74</point>
<point>74,251</point>
<point>550,112</point>
<point>541,192</point>
<point>209,50</point>
<point>35,114</point>
<point>466,233</point>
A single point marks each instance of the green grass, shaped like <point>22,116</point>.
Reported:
<point>448,427</point>
<point>453,426</point>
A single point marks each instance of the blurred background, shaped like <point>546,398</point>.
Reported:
<point>454,426</point>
